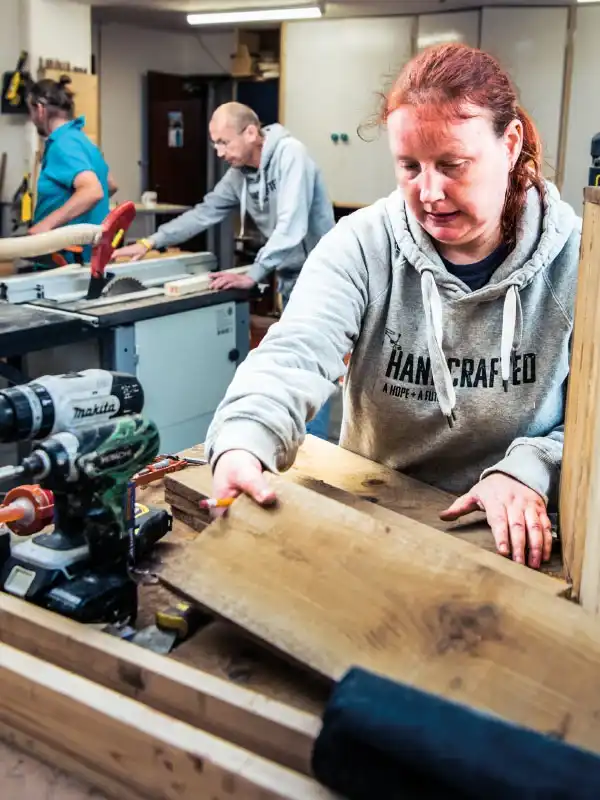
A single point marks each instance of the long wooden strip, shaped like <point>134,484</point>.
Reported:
<point>196,483</point>
<point>332,587</point>
<point>197,283</point>
<point>145,753</point>
<point>142,750</point>
<point>580,478</point>
<point>270,729</point>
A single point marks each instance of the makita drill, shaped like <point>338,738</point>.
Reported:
<point>83,568</point>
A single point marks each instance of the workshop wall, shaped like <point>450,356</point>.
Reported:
<point>584,108</point>
<point>57,29</point>
<point>340,81</point>
<point>12,128</point>
<point>530,43</point>
<point>124,55</point>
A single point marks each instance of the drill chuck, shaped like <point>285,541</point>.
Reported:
<point>56,403</point>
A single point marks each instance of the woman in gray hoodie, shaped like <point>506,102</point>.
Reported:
<point>455,296</point>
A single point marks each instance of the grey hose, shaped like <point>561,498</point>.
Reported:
<point>43,243</point>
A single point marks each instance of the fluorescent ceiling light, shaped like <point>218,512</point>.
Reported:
<point>264,15</point>
<point>587,1</point>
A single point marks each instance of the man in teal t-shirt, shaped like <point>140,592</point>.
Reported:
<point>74,184</point>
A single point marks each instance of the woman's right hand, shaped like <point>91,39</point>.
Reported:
<point>239,471</point>
<point>133,252</point>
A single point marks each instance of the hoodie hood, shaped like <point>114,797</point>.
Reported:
<point>274,135</point>
<point>544,229</point>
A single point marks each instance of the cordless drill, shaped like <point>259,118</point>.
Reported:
<point>82,568</point>
<point>55,403</point>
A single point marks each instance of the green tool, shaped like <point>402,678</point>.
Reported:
<point>82,568</point>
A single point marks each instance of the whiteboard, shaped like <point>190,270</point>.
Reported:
<point>530,43</point>
<point>458,26</point>
<point>333,72</point>
<point>584,108</point>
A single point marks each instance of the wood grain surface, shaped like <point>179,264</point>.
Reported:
<point>580,478</point>
<point>332,588</point>
<point>126,748</point>
<point>378,491</point>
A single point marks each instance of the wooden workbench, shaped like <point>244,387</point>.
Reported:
<point>218,648</point>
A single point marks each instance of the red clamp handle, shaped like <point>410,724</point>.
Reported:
<point>114,228</point>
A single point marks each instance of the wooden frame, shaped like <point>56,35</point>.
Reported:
<point>265,727</point>
<point>153,722</point>
<point>580,479</point>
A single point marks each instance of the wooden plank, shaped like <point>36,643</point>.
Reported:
<point>124,743</point>
<point>579,504</point>
<point>390,488</point>
<point>187,506</point>
<point>591,194</point>
<point>354,476</point>
<point>264,727</point>
<point>332,587</point>
<point>197,283</point>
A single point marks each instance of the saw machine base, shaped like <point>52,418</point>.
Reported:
<point>171,343</point>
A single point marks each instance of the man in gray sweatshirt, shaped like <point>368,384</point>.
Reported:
<point>274,180</point>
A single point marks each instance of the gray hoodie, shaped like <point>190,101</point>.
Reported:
<point>285,196</point>
<point>444,383</point>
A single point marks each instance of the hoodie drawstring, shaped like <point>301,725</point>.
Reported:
<point>262,191</point>
<point>243,206</point>
<point>442,380</point>
<point>512,332</point>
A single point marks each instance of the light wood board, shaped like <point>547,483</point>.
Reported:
<point>319,460</point>
<point>125,748</point>
<point>580,479</point>
<point>333,472</point>
<point>331,587</point>
<point>269,729</point>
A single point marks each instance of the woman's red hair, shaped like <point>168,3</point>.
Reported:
<point>453,77</point>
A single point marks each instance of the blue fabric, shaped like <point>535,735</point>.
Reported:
<point>69,152</point>
<point>389,741</point>
<point>319,424</point>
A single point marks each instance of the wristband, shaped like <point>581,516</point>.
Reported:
<point>147,244</point>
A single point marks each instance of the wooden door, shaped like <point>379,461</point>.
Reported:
<point>177,138</point>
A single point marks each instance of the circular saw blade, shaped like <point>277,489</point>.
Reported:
<point>122,285</point>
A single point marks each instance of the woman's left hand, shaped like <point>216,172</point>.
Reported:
<point>516,514</point>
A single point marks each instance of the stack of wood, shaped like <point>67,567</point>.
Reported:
<point>183,496</point>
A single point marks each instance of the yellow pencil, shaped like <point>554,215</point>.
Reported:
<point>216,502</point>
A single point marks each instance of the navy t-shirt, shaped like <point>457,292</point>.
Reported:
<point>478,274</point>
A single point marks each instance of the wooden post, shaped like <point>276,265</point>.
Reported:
<point>579,506</point>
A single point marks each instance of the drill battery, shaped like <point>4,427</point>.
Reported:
<point>73,588</point>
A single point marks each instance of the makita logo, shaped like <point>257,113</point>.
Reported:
<point>109,407</point>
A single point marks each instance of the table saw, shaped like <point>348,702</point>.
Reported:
<point>183,349</point>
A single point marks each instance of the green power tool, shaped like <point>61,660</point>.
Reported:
<point>82,568</point>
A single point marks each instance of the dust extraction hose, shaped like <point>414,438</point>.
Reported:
<point>41,244</point>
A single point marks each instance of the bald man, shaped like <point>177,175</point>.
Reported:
<point>274,180</point>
